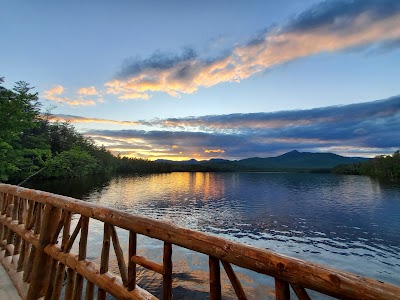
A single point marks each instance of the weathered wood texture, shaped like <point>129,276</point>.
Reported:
<point>167,271</point>
<point>120,256</point>
<point>234,280</point>
<point>282,291</point>
<point>37,218</point>
<point>301,293</point>
<point>132,264</point>
<point>215,279</point>
<point>148,264</point>
<point>41,262</point>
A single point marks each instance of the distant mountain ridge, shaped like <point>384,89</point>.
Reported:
<point>293,160</point>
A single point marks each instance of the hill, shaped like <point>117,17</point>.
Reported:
<point>299,160</point>
<point>290,161</point>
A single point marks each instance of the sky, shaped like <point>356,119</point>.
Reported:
<point>213,79</point>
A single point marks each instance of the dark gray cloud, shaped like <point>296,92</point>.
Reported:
<point>295,118</point>
<point>159,60</point>
<point>330,12</point>
<point>363,128</point>
<point>337,14</point>
<point>171,137</point>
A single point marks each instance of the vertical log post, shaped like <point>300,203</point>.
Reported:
<point>215,278</point>
<point>70,285</point>
<point>81,256</point>
<point>61,267</point>
<point>2,200</point>
<point>105,256</point>
<point>89,295</point>
<point>21,259</point>
<point>14,212</point>
<point>71,274</point>
<point>22,211</point>
<point>6,231</point>
<point>2,227</point>
<point>25,251</point>
<point>21,215</point>
<point>13,215</point>
<point>282,291</point>
<point>131,264</point>
<point>35,222</point>
<point>50,286</point>
<point>54,263</point>
<point>167,274</point>
<point>2,197</point>
<point>30,218</point>
<point>41,259</point>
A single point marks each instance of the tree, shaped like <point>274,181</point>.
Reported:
<point>71,163</point>
<point>23,145</point>
<point>30,142</point>
<point>383,166</point>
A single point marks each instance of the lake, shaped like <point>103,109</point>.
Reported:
<point>347,222</point>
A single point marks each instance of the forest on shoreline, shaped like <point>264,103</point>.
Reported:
<point>33,143</point>
<point>382,166</point>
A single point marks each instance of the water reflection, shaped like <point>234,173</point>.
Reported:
<point>78,188</point>
<point>347,222</point>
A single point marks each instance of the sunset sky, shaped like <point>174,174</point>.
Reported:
<point>213,79</point>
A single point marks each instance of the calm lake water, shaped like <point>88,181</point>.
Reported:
<point>347,222</point>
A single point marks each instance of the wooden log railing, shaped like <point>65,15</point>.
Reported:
<point>36,245</point>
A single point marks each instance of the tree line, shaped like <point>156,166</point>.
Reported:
<point>382,166</point>
<point>33,144</point>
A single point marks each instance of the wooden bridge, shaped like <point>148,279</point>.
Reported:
<point>36,236</point>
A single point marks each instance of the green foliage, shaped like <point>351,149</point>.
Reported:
<point>6,167</point>
<point>71,163</point>
<point>29,143</point>
<point>381,166</point>
<point>23,150</point>
<point>138,165</point>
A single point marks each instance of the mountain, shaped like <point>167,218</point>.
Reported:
<point>290,161</point>
<point>299,160</point>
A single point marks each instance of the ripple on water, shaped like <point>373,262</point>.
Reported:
<point>347,222</point>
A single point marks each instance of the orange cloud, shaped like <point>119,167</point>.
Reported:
<point>54,94</point>
<point>88,91</point>
<point>187,75</point>
<point>245,123</point>
<point>214,151</point>
<point>77,119</point>
<point>51,94</point>
<point>282,47</point>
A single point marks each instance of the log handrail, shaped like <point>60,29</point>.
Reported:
<point>34,207</point>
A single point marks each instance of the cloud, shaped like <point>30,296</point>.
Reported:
<point>287,119</point>
<point>386,46</point>
<point>369,128</point>
<point>214,151</point>
<point>52,94</point>
<point>88,91</point>
<point>191,144</point>
<point>326,27</point>
<point>55,93</point>
<point>159,60</point>
<point>340,13</point>
<point>78,119</point>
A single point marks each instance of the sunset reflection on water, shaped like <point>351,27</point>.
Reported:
<point>346,222</point>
